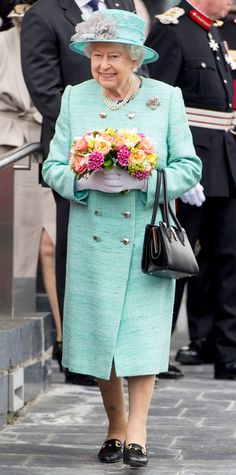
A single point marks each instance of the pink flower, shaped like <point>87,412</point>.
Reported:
<point>95,160</point>
<point>79,164</point>
<point>142,175</point>
<point>123,155</point>
<point>141,135</point>
<point>80,145</point>
<point>146,146</point>
<point>80,170</point>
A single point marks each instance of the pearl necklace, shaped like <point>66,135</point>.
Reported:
<point>117,105</point>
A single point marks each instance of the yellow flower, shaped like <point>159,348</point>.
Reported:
<point>152,158</point>
<point>111,131</point>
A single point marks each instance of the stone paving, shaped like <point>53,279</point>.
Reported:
<point>192,430</point>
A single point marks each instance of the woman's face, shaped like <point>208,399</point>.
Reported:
<point>111,65</point>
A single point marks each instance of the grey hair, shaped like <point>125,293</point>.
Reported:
<point>136,53</point>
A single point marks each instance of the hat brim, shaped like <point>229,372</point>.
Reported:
<point>79,47</point>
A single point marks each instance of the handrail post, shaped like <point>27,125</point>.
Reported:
<point>6,241</point>
<point>7,223</point>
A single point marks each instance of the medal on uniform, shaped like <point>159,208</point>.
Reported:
<point>230,60</point>
<point>212,43</point>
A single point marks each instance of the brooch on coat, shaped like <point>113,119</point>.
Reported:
<point>171,16</point>
<point>153,102</point>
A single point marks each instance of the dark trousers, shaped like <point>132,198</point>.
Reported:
<point>62,218</point>
<point>211,301</point>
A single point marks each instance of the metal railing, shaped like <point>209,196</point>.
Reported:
<point>7,220</point>
<point>18,153</point>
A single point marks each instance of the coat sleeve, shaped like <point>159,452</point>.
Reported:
<point>40,64</point>
<point>164,40</point>
<point>183,167</point>
<point>56,171</point>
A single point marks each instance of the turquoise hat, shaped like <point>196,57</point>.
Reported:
<point>116,26</point>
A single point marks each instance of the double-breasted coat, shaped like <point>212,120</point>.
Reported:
<point>113,312</point>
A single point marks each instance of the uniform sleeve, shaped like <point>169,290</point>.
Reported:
<point>40,64</point>
<point>184,167</point>
<point>56,171</point>
<point>163,39</point>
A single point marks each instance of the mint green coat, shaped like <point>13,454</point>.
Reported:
<point>114,312</point>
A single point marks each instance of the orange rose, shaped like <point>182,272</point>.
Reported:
<point>103,146</point>
<point>137,156</point>
<point>118,141</point>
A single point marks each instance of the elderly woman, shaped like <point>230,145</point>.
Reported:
<point>117,319</point>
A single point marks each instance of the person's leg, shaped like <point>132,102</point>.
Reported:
<point>47,259</point>
<point>140,390</point>
<point>223,260</point>
<point>190,218</point>
<point>62,207</point>
<point>112,392</point>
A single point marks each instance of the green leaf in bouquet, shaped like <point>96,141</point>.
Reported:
<point>108,164</point>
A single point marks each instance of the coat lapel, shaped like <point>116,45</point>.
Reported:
<point>72,11</point>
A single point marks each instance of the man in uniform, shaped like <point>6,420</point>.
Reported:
<point>200,301</point>
<point>194,58</point>
<point>48,67</point>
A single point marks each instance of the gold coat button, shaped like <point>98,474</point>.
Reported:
<point>98,212</point>
<point>97,238</point>
<point>126,214</point>
<point>125,241</point>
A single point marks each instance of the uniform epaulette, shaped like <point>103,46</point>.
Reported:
<point>171,16</point>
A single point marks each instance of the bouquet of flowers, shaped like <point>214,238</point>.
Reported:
<point>111,148</point>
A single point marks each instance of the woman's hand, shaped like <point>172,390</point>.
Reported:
<point>112,181</point>
<point>129,182</point>
<point>101,180</point>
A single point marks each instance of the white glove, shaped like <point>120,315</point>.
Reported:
<point>101,180</point>
<point>110,181</point>
<point>130,182</point>
<point>195,196</point>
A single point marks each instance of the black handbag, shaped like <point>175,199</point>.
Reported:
<point>166,249</point>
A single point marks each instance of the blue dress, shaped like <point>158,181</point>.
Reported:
<point>113,312</point>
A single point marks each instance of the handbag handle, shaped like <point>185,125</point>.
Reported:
<point>165,207</point>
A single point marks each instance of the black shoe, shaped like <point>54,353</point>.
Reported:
<point>135,455</point>
<point>196,353</point>
<point>172,373</point>
<point>225,370</point>
<point>57,353</point>
<point>79,379</point>
<point>111,451</point>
